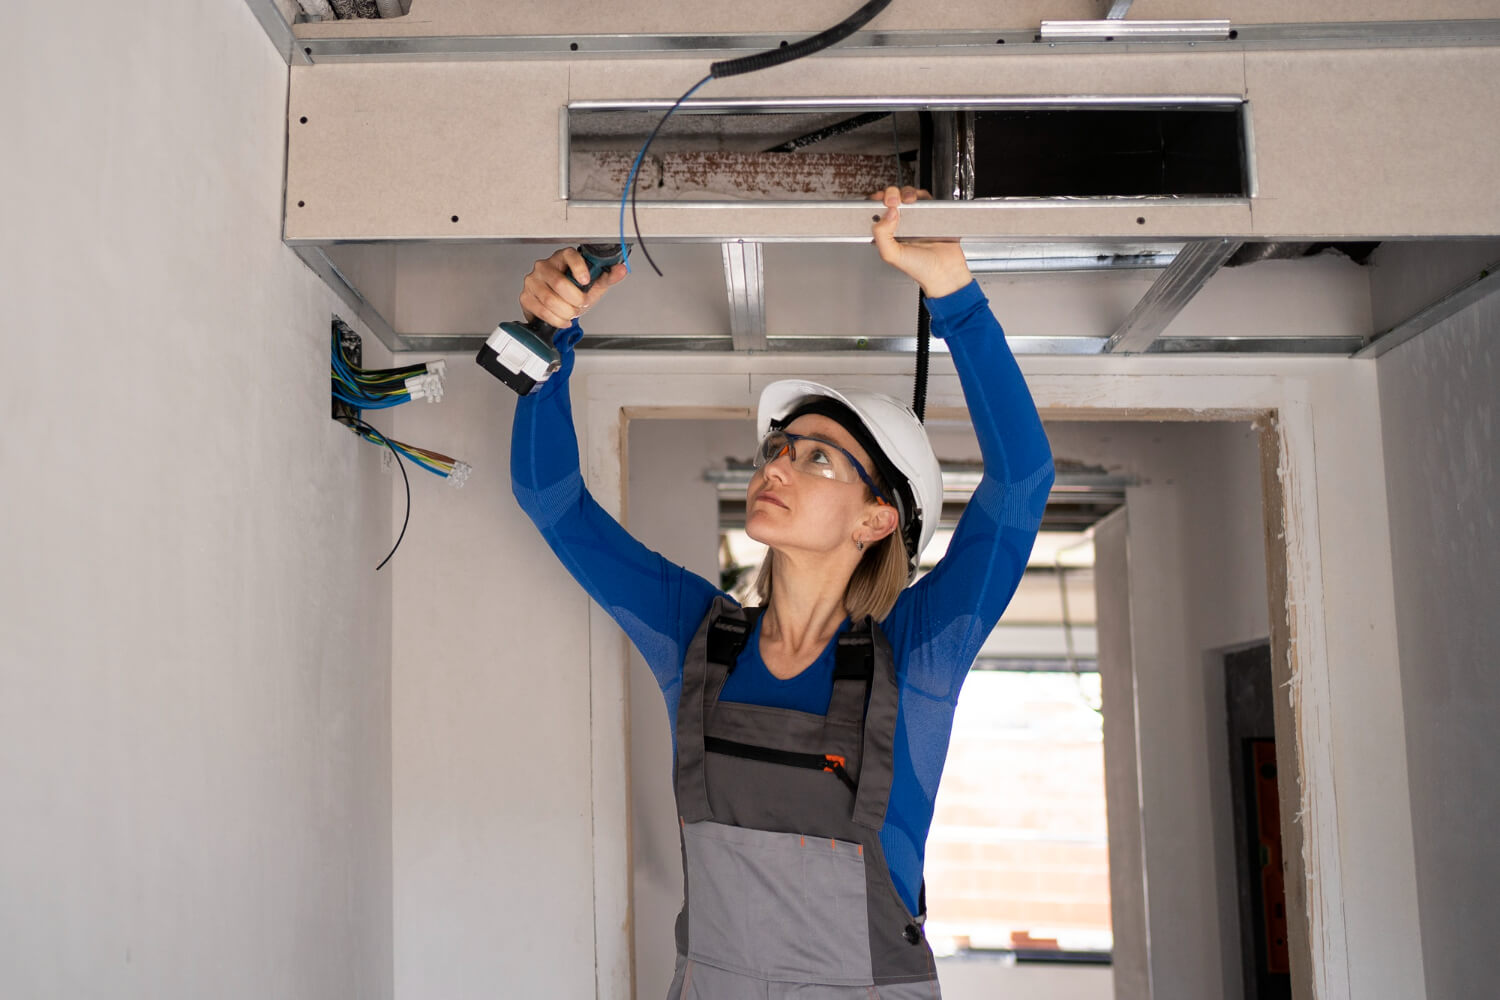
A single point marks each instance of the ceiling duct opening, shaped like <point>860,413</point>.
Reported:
<point>812,150</point>
<point>1194,152</point>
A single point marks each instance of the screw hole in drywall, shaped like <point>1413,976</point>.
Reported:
<point>301,204</point>
<point>1233,34</point>
<point>874,218</point>
<point>303,119</point>
<point>573,46</point>
<point>455,218</point>
<point>1140,220</point>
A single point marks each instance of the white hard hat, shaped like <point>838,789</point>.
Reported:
<point>901,451</point>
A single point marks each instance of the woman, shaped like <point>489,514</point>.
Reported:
<point>809,734</point>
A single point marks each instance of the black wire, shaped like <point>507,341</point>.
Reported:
<point>896,145</point>
<point>635,220</point>
<point>751,63</point>
<point>924,345</point>
<point>402,466</point>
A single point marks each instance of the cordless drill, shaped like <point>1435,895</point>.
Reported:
<point>521,354</point>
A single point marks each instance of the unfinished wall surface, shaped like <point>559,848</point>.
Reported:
<point>492,825</point>
<point>1439,417</point>
<point>194,648</point>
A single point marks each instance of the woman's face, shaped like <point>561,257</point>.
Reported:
<point>791,510</point>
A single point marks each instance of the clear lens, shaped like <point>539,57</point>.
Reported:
<point>809,456</point>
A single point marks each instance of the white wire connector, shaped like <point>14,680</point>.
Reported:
<point>428,387</point>
<point>459,475</point>
<point>438,368</point>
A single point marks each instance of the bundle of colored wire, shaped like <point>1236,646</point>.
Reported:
<point>734,67</point>
<point>435,462</point>
<point>379,388</point>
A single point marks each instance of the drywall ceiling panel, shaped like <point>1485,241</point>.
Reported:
<point>1376,143</point>
<point>430,18</point>
<point>423,150</point>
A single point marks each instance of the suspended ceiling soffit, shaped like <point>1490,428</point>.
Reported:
<point>841,297</point>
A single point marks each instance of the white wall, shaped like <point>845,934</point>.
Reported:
<point>490,720</point>
<point>194,648</point>
<point>1438,397</point>
<point>674,511</point>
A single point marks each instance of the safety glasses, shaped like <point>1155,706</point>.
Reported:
<point>815,457</point>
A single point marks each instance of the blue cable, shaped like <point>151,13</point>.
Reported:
<point>363,404</point>
<point>630,181</point>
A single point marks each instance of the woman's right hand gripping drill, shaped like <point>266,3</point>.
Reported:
<point>548,293</point>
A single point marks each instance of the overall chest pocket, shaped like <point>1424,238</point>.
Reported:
<point>777,906</point>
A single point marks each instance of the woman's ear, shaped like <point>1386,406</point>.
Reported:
<point>879,520</point>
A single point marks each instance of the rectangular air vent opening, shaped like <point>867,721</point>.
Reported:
<point>811,150</point>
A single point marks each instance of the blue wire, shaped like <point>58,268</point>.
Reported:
<point>366,404</point>
<point>630,181</point>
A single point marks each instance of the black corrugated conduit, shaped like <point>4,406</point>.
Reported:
<point>796,50</point>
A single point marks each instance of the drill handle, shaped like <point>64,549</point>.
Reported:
<point>600,257</point>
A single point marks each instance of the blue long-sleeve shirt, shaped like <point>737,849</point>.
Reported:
<point>937,625</point>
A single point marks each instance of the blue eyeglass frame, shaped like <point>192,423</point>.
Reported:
<point>792,440</point>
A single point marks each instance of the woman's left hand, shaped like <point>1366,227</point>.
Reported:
<point>937,265</point>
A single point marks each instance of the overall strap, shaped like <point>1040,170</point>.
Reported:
<point>710,659</point>
<point>853,670</point>
<point>877,756</point>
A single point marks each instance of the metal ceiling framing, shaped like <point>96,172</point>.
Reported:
<point>1487,282</point>
<point>1016,41</point>
<point>1170,294</point>
<point>744,278</point>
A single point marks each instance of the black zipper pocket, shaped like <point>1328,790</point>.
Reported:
<point>832,763</point>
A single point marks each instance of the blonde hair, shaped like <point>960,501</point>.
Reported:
<point>874,585</point>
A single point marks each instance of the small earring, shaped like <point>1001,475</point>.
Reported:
<point>859,545</point>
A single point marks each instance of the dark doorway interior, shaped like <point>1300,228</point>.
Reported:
<point>1249,693</point>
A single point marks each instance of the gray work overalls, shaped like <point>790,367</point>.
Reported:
<point>787,890</point>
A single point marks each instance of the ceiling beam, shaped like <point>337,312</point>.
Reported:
<point>1169,294</point>
<point>744,279</point>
